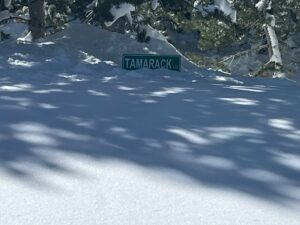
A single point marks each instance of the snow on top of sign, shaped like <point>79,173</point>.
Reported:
<point>123,9</point>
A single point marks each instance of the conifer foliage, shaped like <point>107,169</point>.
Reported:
<point>213,32</point>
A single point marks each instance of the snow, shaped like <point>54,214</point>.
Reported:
<point>261,5</point>
<point>225,7</point>
<point>154,4</point>
<point>26,38</point>
<point>154,34</point>
<point>7,3</point>
<point>222,5</point>
<point>202,9</point>
<point>93,4</point>
<point>84,142</point>
<point>4,15</point>
<point>276,55</point>
<point>119,11</point>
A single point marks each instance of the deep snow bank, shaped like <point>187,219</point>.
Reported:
<point>88,49</point>
<point>98,45</point>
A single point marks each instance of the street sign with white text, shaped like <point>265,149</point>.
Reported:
<point>149,61</point>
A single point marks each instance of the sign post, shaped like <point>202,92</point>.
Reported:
<point>149,61</point>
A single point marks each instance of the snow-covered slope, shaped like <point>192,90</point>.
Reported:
<point>84,142</point>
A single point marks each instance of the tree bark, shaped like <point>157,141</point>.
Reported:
<point>37,18</point>
<point>274,51</point>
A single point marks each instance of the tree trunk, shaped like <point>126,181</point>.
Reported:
<point>37,18</point>
<point>274,51</point>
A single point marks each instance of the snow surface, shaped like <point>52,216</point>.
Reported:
<point>4,15</point>
<point>84,142</point>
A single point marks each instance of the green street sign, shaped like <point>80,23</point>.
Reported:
<point>149,61</point>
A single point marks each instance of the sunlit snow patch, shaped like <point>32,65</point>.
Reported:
<point>240,101</point>
<point>226,79</point>
<point>289,160</point>
<point>41,44</point>
<point>257,89</point>
<point>189,136</point>
<point>125,88</point>
<point>283,124</point>
<point>27,38</point>
<point>216,162</point>
<point>48,106</point>
<point>98,93</point>
<point>123,9</point>
<point>167,91</point>
<point>73,77</point>
<point>263,176</point>
<point>21,63</point>
<point>15,87</point>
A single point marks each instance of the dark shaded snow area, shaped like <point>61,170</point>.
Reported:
<point>175,147</point>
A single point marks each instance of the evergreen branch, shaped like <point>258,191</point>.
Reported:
<point>14,17</point>
<point>243,52</point>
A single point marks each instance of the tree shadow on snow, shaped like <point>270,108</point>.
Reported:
<point>221,133</point>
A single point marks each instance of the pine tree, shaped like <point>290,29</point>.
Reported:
<point>211,32</point>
